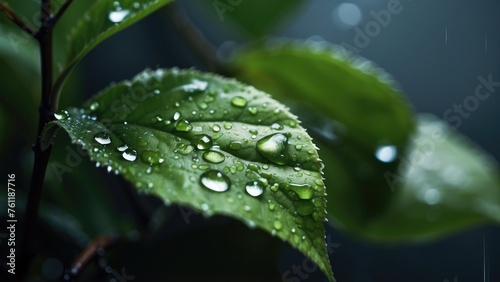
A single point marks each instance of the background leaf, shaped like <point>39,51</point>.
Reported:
<point>213,144</point>
<point>256,18</point>
<point>351,108</point>
<point>444,184</point>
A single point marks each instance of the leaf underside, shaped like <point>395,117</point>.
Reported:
<point>213,144</point>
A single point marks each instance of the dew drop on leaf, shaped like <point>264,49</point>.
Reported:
<point>118,16</point>
<point>102,138</point>
<point>277,225</point>
<point>273,147</point>
<point>239,102</point>
<point>195,86</point>
<point>183,126</point>
<point>253,110</point>
<point>254,188</point>
<point>202,142</point>
<point>216,128</point>
<point>129,155</point>
<point>61,115</point>
<point>304,191</point>
<point>215,180</point>
<point>386,154</point>
<point>94,106</point>
<point>213,157</point>
<point>151,157</point>
<point>235,145</point>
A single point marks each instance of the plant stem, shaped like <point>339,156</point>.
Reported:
<point>46,113</point>
<point>195,39</point>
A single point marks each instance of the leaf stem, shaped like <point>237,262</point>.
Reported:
<point>61,11</point>
<point>15,19</point>
<point>195,39</point>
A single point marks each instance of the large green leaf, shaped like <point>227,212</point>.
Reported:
<point>256,17</point>
<point>213,144</point>
<point>103,19</point>
<point>444,184</point>
<point>348,89</point>
<point>350,106</point>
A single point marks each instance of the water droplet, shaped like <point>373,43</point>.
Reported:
<point>61,115</point>
<point>276,126</point>
<point>122,148</point>
<point>202,142</point>
<point>304,191</point>
<point>102,138</point>
<point>275,187</point>
<point>94,106</point>
<point>176,116</point>
<point>213,157</point>
<point>129,155</point>
<point>253,110</point>
<point>184,148</point>
<point>277,225</point>
<point>431,196</point>
<point>228,126</point>
<point>254,188</point>
<point>386,154</point>
<point>273,147</point>
<point>247,208</point>
<point>271,205</point>
<point>239,102</point>
<point>215,181</point>
<point>152,157</point>
<point>118,16</point>
<point>235,145</point>
<point>216,128</point>
<point>183,126</point>
<point>195,86</point>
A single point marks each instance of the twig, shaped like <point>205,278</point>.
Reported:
<point>15,19</point>
<point>61,11</point>
<point>194,38</point>
<point>93,250</point>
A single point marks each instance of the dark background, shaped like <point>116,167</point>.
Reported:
<point>434,74</point>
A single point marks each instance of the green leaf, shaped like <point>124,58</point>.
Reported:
<point>349,105</point>
<point>256,17</point>
<point>444,184</point>
<point>213,144</point>
<point>103,19</point>
<point>348,89</point>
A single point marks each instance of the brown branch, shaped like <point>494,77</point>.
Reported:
<point>88,254</point>
<point>15,19</point>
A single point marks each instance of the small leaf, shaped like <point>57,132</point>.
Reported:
<point>103,19</point>
<point>213,144</point>
<point>444,184</point>
<point>255,17</point>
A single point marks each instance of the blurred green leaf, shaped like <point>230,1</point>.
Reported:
<point>103,19</point>
<point>20,69</point>
<point>255,17</point>
<point>213,144</point>
<point>348,89</point>
<point>444,184</point>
